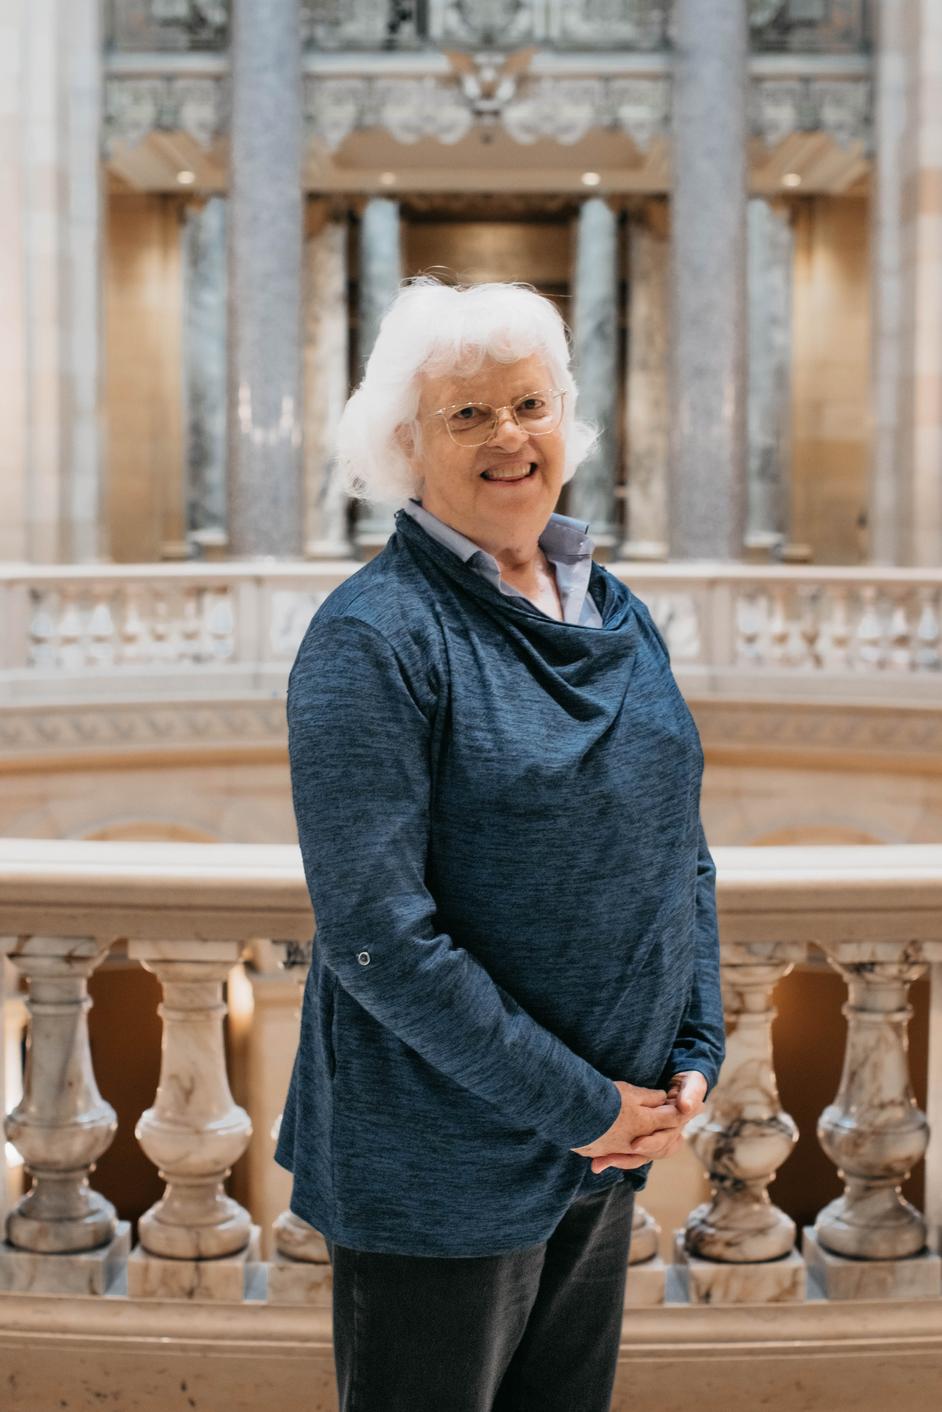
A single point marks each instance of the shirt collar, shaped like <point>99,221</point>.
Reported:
<point>564,538</point>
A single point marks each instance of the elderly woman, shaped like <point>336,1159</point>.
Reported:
<point>513,1005</point>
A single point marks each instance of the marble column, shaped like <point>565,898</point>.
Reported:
<point>380,273</point>
<point>591,493</point>
<point>708,282</point>
<point>770,253</point>
<point>906,469</point>
<point>51,477</point>
<point>646,394</point>
<point>204,368</point>
<point>265,238</point>
<point>326,386</point>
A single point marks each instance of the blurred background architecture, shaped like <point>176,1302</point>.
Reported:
<point>737,206</point>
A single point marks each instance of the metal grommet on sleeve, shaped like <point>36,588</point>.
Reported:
<point>363,957</point>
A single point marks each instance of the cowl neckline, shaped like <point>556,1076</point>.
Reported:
<point>613,599</point>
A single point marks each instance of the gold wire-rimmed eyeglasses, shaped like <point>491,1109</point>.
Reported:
<point>474,423</point>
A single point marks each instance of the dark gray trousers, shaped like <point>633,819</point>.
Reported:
<point>534,1330</point>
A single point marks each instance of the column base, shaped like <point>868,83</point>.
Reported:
<point>646,1282</point>
<point>222,1277</point>
<point>756,1282</point>
<point>76,1272</point>
<point>842,1277</point>
<point>299,1281</point>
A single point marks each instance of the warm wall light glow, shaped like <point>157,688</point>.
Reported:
<point>387,178</point>
<point>590,179</point>
<point>186,178</point>
<point>791,179</point>
<point>240,995</point>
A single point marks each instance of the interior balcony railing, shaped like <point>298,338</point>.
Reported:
<point>791,26</point>
<point>865,1276</point>
<point>153,631</point>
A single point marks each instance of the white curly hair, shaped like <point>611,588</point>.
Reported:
<point>438,328</point>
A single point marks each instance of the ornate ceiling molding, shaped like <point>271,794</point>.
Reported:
<point>381,25</point>
<point>840,107</point>
<point>135,106</point>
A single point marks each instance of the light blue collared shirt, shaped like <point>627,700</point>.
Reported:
<point>565,542</point>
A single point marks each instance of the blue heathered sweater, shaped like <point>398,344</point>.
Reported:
<point>498,816</point>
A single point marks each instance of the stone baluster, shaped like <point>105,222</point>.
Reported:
<point>871,1242</point>
<point>927,633</point>
<point>71,651</point>
<point>43,630</point>
<point>900,656</point>
<point>101,630</point>
<point>738,1246</point>
<point>838,653</point>
<point>647,1272</point>
<point>195,1241</point>
<point>869,634</point>
<point>300,1272</point>
<point>780,628</point>
<point>61,1236</point>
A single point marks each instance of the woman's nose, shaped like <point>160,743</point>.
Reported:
<point>508,432</point>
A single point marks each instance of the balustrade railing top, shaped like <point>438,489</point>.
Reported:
<point>847,895</point>
<point>138,631</point>
<point>187,913</point>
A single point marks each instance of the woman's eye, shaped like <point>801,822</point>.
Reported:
<point>531,404</point>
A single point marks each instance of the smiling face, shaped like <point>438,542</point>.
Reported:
<point>452,482</point>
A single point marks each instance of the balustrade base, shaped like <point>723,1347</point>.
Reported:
<point>223,1277</point>
<point>756,1282</point>
<point>646,1282</point>
<point>844,1277</point>
<point>299,1281</point>
<point>74,1272</point>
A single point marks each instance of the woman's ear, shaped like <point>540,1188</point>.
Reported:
<point>405,438</point>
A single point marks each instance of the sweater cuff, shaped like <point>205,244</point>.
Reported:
<point>684,1064</point>
<point>596,1118</point>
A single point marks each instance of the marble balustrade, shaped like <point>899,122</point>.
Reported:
<point>134,631</point>
<point>190,914</point>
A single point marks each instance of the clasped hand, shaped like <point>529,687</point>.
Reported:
<point>650,1123</point>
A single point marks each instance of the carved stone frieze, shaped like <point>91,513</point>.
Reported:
<point>811,728</point>
<point>134,107</point>
<point>751,726</point>
<point>124,726</point>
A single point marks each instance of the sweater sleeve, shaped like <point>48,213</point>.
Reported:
<point>701,1039</point>
<point>358,742</point>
